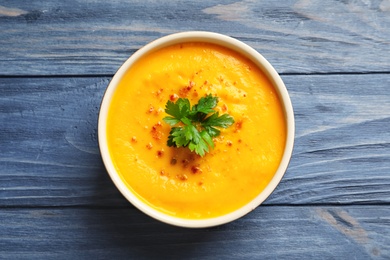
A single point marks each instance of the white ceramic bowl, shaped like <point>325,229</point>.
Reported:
<point>237,46</point>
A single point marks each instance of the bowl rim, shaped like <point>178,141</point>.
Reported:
<point>235,45</point>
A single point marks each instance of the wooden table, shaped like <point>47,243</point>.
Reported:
<point>56,60</point>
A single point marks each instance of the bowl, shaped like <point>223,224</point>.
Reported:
<point>227,42</point>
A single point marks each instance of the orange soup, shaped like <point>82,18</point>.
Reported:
<point>174,180</point>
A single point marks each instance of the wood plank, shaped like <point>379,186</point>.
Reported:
<point>93,37</point>
<point>341,152</point>
<point>268,233</point>
<point>50,157</point>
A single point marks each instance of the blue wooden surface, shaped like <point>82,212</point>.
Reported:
<point>56,199</point>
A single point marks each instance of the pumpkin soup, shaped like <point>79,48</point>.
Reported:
<point>175,180</point>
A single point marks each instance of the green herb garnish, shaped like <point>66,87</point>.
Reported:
<point>195,127</point>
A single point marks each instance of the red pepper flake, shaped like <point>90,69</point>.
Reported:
<point>151,109</point>
<point>196,169</point>
<point>224,108</point>
<point>200,183</point>
<point>158,93</point>
<point>164,173</point>
<point>185,162</point>
<point>183,92</point>
<point>173,97</point>
<point>134,139</point>
<point>238,126</point>
<point>160,153</point>
<point>156,131</point>
<point>229,143</point>
<point>158,111</point>
<point>149,146</point>
<point>182,177</point>
<point>173,161</point>
<point>205,82</point>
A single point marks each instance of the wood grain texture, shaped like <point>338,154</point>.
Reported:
<point>50,157</point>
<point>267,233</point>
<point>95,37</point>
<point>56,199</point>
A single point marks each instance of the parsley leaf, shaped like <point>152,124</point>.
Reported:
<point>194,127</point>
<point>206,104</point>
<point>177,111</point>
<point>223,121</point>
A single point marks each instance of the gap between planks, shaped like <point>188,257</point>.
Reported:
<point>111,75</point>
<point>130,206</point>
